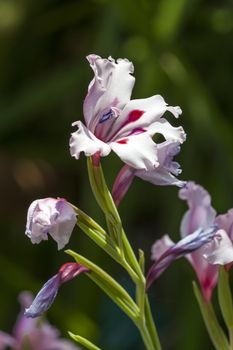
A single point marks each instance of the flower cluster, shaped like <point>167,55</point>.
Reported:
<point>128,127</point>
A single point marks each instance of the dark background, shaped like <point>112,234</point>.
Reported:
<point>181,49</point>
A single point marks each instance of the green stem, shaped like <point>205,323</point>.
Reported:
<point>146,336</point>
<point>151,325</point>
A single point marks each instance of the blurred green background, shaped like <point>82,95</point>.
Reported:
<point>182,49</point>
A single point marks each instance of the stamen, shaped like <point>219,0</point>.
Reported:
<point>106,116</point>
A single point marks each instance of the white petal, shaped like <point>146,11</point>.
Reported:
<point>111,87</point>
<point>160,246</point>
<point>138,151</point>
<point>83,140</point>
<point>160,177</point>
<point>220,250</point>
<point>169,132</point>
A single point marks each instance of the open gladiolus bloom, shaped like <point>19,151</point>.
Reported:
<point>114,122</point>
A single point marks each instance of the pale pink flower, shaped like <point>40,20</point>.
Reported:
<point>114,122</point>
<point>34,334</point>
<point>199,230</point>
<point>50,216</point>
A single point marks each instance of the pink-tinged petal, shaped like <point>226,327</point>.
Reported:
<point>34,333</point>
<point>163,174</point>
<point>160,246</point>
<point>169,132</point>
<point>122,183</point>
<point>200,213</point>
<point>83,140</point>
<point>207,274</point>
<point>220,250</point>
<point>111,87</point>
<point>50,216</point>
<point>140,113</point>
<point>138,151</point>
<point>23,325</point>
<point>6,341</point>
<point>225,222</point>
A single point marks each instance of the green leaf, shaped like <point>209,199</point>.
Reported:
<point>214,329</point>
<point>110,286</point>
<point>83,341</point>
<point>224,297</point>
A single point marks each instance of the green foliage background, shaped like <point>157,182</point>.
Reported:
<point>181,49</point>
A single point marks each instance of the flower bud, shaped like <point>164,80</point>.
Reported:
<point>49,290</point>
<point>53,216</point>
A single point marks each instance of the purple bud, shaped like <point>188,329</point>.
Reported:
<point>48,292</point>
<point>44,298</point>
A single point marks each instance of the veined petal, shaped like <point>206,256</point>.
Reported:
<point>163,174</point>
<point>111,87</point>
<point>83,140</point>
<point>220,250</point>
<point>207,274</point>
<point>122,183</point>
<point>200,213</point>
<point>160,177</point>
<point>185,246</point>
<point>138,151</point>
<point>140,113</point>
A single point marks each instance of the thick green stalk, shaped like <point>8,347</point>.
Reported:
<point>126,256</point>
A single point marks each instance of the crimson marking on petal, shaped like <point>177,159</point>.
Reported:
<point>122,141</point>
<point>135,115</point>
<point>137,131</point>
